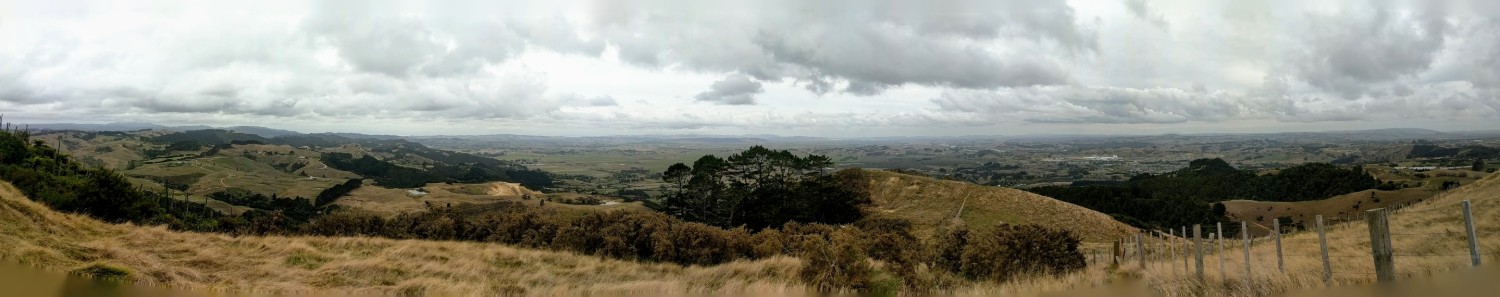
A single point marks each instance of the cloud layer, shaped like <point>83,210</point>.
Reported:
<point>808,67</point>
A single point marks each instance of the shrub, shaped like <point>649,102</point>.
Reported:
<point>766,243</point>
<point>1007,251</point>
<point>837,262</point>
<point>948,247</point>
<point>346,223</point>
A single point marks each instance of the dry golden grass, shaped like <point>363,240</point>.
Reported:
<point>1261,213</point>
<point>33,234</point>
<point>1428,238</point>
<point>929,202</point>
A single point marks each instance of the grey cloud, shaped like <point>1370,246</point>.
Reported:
<point>1349,53</point>
<point>1108,105</point>
<point>589,101</point>
<point>732,90</point>
<point>603,101</point>
<point>1098,105</point>
<point>882,43</point>
<point>1142,9</point>
<point>383,36</point>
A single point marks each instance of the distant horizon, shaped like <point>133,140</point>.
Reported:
<point>745,135</point>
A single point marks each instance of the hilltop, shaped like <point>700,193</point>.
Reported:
<point>930,203</point>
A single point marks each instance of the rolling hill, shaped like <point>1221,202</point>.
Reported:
<point>930,202</point>
<point>202,163</point>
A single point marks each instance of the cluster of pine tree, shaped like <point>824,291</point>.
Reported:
<point>760,188</point>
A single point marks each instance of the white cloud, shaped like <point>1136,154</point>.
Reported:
<point>780,66</point>
<point>733,90</point>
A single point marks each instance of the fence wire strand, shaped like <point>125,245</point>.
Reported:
<point>1232,238</point>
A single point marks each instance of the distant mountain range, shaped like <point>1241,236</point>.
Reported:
<point>1373,134</point>
<point>123,127</point>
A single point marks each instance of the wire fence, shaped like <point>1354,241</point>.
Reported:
<point>1189,249</point>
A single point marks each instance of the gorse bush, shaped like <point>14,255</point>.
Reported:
<point>1004,252</point>
<point>836,261</point>
<point>628,235</point>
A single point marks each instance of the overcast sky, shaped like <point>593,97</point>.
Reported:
<point>817,68</point>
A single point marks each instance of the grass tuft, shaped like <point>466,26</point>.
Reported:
<point>105,271</point>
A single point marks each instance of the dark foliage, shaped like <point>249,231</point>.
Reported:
<point>296,210</point>
<point>1005,252</point>
<point>207,137</point>
<point>1470,151</point>
<point>1312,181</point>
<point>396,176</point>
<point>760,188</point>
<point>1187,196</point>
<point>332,194</point>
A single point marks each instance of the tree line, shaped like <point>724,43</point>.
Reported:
<point>1190,195</point>
<point>391,175</point>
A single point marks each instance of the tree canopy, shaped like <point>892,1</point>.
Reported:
<point>761,187</point>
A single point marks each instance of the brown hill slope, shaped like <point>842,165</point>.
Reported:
<point>36,235</point>
<point>1347,206</point>
<point>929,202</point>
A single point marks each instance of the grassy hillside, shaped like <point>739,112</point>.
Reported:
<point>1419,187</point>
<point>1431,240</point>
<point>34,235</point>
<point>929,202</point>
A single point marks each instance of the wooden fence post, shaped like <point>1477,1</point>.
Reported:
<point>1380,245</point>
<point>1140,249</point>
<point>1198,249</point>
<point>1473,240</point>
<point>1171,250</point>
<point>1115,254</point>
<point>1184,251</point>
<point>1323,244</point>
<point>1161,247</point>
<point>1219,240</point>
<point>1245,232</point>
<point>1280,264</point>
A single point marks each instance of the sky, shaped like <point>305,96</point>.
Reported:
<point>793,68</point>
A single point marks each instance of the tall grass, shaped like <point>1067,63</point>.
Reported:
<point>1428,238</point>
